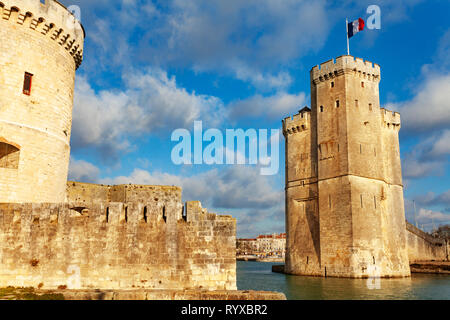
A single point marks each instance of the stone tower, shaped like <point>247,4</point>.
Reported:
<point>344,194</point>
<point>40,48</point>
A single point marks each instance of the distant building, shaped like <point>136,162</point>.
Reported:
<point>263,245</point>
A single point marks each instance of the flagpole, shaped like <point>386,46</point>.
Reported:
<point>348,44</point>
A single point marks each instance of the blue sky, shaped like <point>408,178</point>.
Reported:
<point>151,67</point>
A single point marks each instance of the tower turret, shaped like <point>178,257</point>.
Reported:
<point>41,47</point>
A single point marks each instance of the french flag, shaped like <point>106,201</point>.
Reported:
<point>355,27</point>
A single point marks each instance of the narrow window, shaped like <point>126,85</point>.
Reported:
<point>338,147</point>
<point>329,200</point>
<point>360,148</point>
<point>370,107</point>
<point>373,259</point>
<point>164,214</point>
<point>360,196</point>
<point>27,83</point>
<point>337,103</point>
<point>107,214</point>
<point>356,103</point>
<point>145,214</point>
<point>375,201</point>
<point>332,84</point>
<point>126,214</point>
<point>9,156</point>
<point>321,108</point>
<point>362,84</point>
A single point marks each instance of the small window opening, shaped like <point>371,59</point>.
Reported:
<point>361,198</point>
<point>126,214</point>
<point>107,214</point>
<point>370,107</point>
<point>164,214</point>
<point>321,108</point>
<point>9,156</point>
<point>28,79</point>
<point>375,201</point>
<point>356,103</point>
<point>337,103</point>
<point>145,214</point>
<point>332,84</point>
<point>329,200</point>
<point>362,84</point>
<point>360,148</point>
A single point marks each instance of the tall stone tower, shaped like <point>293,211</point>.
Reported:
<point>344,195</point>
<point>40,48</point>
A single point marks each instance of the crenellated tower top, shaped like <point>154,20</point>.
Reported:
<point>50,19</point>
<point>297,123</point>
<point>345,64</point>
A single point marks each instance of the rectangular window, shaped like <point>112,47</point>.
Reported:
<point>27,83</point>
<point>362,84</point>
<point>332,84</point>
<point>337,103</point>
<point>360,196</point>
<point>370,107</point>
<point>356,103</point>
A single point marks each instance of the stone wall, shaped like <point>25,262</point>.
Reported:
<point>423,247</point>
<point>113,245</point>
<point>43,40</point>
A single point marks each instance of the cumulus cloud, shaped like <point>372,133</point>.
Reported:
<point>428,157</point>
<point>151,102</point>
<point>275,106</point>
<point>429,110</point>
<point>431,198</point>
<point>423,216</point>
<point>83,171</point>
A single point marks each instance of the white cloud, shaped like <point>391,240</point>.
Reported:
<point>83,171</point>
<point>275,106</point>
<point>150,102</point>
<point>429,110</point>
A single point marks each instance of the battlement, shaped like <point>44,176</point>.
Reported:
<point>390,119</point>
<point>343,64</point>
<point>116,246</point>
<point>298,122</point>
<point>51,19</point>
<point>89,193</point>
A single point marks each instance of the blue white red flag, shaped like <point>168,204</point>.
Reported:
<point>355,27</point>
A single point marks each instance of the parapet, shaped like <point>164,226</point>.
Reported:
<point>390,119</point>
<point>90,193</point>
<point>297,123</point>
<point>50,19</point>
<point>343,64</point>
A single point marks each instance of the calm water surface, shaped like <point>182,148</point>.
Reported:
<point>259,276</point>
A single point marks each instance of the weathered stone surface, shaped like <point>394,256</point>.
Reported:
<point>143,294</point>
<point>117,245</point>
<point>344,192</point>
<point>45,41</point>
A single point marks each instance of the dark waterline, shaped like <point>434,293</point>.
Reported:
<point>259,276</point>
